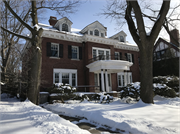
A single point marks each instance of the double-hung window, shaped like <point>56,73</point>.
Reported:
<point>75,52</point>
<point>129,57</point>
<point>96,32</point>
<point>54,50</point>
<point>121,39</point>
<point>124,78</point>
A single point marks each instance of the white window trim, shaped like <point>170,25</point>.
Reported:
<point>130,55</point>
<point>103,49</point>
<point>57,50</point>
<point>99,32</point>
<point>77,52</point>
<point>127,78</point>
<point>61,71</point>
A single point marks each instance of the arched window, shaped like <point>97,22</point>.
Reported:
<point>64,27</point>
<point>121,39</point>
<point>96,32</point>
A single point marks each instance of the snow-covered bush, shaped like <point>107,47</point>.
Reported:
<point>170,81</point>
<point>164,90</point>
<point>102,97</point>
<point>63,88</point>
<point>132,90</point>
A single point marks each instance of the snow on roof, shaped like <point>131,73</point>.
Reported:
<point>74,31</point>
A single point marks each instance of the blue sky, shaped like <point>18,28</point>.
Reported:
<point>87,13</point>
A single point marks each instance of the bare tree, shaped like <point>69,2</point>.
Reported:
<point>135,14</point>
<point>35,39</point>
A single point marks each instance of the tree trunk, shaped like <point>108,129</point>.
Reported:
<point>146,65</point>
<point>34,75</point>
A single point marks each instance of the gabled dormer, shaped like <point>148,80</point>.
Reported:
<point>95,29</point>
<point>121,36</point>
<point>63,24</point>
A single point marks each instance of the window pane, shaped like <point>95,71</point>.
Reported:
<point>56,77</point>
<point>73,79</point>
<point>116,56</point>
<point>95,80</point>
<point>65,27</point>
<point>102,34</point>
<point>107,55</point>
<point>96,32</point>
<point>121,39</point>
<point>101,54</point>
<point>54,50</point>
<point>65,78</point>
<point>91,32</point>
<point>74,52</point>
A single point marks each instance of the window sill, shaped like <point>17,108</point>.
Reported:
<point>54,58</point>
<point>76,59</point>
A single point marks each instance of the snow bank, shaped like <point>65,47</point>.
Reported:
<point>39,120</point>
<point>139,118</point>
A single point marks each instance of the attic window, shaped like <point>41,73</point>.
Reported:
<point>64,27</point>
<point>96,32</point>
<point>91,32</point>
<point>102,34</point>
<point>121,39</point>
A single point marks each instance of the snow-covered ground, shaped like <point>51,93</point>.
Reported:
<point>26,118</point>
<point>163,117</point>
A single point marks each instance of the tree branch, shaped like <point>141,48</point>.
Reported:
<point>139,19</point>
<point>18,35</point>
<point>131,24</point>
<point>17,17</point>
<point>160,20</point>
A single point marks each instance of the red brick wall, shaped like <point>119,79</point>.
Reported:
<point>84,76</point>
<point>64,63</point>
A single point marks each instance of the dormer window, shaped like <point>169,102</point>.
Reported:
<point>64,27</point>
<point>96,32</point>
<point>91,32</point>
<point>121,39</point>
<point>102,34</point>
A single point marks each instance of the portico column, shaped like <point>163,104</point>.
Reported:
<point>102,80</point>
<point>107,83</point>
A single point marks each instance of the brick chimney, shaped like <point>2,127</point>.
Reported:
<point>175,39</point>
<point>52,20</point>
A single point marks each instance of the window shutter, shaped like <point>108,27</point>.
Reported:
<point>61,50</point>
<point>80,53</point>
<point>120,56</point>
<point>126,56</point>
<point>48,49</point>
<point>132,58</point>
<point>69,51</point>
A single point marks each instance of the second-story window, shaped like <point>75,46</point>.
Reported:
<point>64,27</point>
<point>54,50</point>
<point>75,52</point>
<point>121,39</point>
<point>96,32</point>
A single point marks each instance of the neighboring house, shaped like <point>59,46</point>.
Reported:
<point>166,55</point>
<point>86,57</point>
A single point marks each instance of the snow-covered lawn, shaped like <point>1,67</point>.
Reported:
<point>163,117</point>
<point>26,118</point>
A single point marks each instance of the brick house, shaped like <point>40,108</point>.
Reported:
<point>166,55</point>
<point>86,57</point>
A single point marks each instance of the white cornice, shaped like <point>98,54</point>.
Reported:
<point>60,35</point>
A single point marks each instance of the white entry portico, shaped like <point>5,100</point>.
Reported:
<point>105,67</point>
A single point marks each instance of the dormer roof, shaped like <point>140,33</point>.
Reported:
<point>94,25</point>
<point>118,34</point>
<point>61,21</point>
